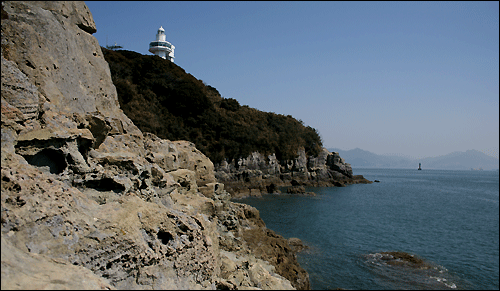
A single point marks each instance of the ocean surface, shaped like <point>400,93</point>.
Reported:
<point>447,218</point>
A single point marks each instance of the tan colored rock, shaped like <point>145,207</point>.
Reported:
<point>111,239</point>
<point>186,179</point>
<point>194,160</point>
<point>259,275</point>
<point>56,149</point>
<point>65,70</point>
<point>267,281</point>
<point>51,45</point>
<point>27,271</point>
<point>214,191</point>
<point>18,91</point>
<point>274,249</point>
<point>173,155</point>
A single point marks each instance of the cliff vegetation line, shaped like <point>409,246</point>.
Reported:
<point>161,98</point>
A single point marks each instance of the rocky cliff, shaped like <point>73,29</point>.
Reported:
<point>258,174</point>
<point>254,151</point>
<point>91,202</point>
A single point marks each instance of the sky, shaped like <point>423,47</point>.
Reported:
<point>416,79</point>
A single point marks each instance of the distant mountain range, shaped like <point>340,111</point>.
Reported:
<point>470,159</point>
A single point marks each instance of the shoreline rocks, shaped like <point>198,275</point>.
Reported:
<point>258,174</point>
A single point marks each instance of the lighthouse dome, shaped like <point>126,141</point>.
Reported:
<point>161,28</point>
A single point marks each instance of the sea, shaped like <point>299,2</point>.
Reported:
<point>447,218</point>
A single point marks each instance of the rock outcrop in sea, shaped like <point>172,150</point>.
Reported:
<point>258,174</point>
<point>91,202</point>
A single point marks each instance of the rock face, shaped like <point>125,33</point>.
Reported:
<point>258,174</point>
<point>91,202</point>
<point>52,45</point>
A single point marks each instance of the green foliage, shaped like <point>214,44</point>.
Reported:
<point>161,98</point>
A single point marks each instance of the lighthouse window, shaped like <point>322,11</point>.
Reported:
<point>156,43</point>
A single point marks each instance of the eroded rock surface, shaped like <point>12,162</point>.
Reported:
<point>91,202</point>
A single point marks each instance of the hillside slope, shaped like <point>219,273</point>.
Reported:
<point>161,98</point>
<point>252,151</point>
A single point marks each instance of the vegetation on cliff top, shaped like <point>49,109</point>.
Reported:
<point>161,98</point>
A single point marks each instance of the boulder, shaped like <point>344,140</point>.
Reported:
<point>172,155</point>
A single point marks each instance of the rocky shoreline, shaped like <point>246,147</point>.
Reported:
<point>91,202</point>
<point>258,174</point>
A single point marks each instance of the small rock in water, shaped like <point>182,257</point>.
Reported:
<point>402,258</point>
<point>296,190</point>
<point>296,244</point>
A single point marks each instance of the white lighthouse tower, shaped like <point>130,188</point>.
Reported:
<point>161,47</point>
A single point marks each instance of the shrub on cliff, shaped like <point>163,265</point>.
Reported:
<point>161,98</point>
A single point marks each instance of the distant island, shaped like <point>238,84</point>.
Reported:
<point>468,160</point>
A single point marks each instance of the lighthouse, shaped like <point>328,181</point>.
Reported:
<point>161,47</point>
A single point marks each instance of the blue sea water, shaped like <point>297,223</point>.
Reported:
<point>447,218</point>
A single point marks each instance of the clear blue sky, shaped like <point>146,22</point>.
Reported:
<point>420,79</point>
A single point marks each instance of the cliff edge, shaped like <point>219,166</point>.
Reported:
<point>91,202</point>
